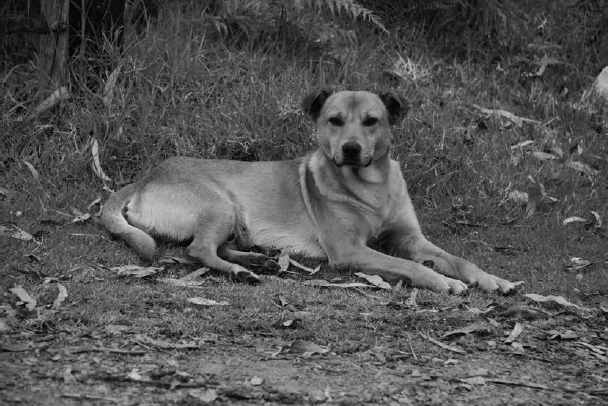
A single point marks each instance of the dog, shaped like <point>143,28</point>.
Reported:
<point>342,203</point>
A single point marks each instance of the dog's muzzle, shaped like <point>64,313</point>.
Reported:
<point>351,155</point>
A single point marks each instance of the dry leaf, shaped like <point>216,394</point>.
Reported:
<point>61,296</point>
<point>176,260</point>
<point>543,156</point>
<point>283,260</point>
<point>33,170</point>
<point>374,280</point>
<point>325,284</point>
<point>556,299</point>
<point>566,335</point>
<point>95,164</point>
<point>518,196</point>
<point>30,302</point>
<point>136,271</point>
<point>304,268</point>
<point>577,263</point>
<point>474,380</point>
<point>108,89</point>
<point>444,346</point>
<point>58,95</point>
<point>517,330</point>
<point>522,144</point>
<point>181,282</point>
<point>477,327</point>
<point>16,233</point>
<point>581,167</point>
<point>305,348</point>
<point>204,395</point>
<point>207,302</point>
<point>573,219</point>
<point>256,381</point>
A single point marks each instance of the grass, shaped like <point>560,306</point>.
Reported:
<point>181,90</point>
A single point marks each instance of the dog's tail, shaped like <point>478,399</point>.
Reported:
<point>114,220</point>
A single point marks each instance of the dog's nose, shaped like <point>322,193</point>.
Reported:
<point>351,150</point>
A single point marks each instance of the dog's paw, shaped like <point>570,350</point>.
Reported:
<point>439,283</point>
<point>245,276</point>
<point>491,283</point>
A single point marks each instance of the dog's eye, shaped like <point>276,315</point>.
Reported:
<point>337,121</point>
<point>370,121</point>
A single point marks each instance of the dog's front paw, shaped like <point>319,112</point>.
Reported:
<point>427,278</point>
<point>491,283</point>
<point>243,275</point>
<point>485,281</point>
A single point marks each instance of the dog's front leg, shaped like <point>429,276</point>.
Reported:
<point>393,269</point>
<point>421,250</point>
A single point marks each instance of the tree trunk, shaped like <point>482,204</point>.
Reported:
<point>78,29</point>
<point>53,47</point>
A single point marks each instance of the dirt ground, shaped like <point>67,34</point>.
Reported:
<point>511,351</point>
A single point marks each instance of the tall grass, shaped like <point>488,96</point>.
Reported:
<point>183,88</point>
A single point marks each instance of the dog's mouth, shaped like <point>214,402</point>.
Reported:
<point>355,162</point>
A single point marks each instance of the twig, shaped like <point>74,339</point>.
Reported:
<point>77,350</point>
<point>444,346</point>
<point>515,383</point>
<point>413,353</point>
<point>89,397</point>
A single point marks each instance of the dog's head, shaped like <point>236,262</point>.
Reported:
<point>353,127</point>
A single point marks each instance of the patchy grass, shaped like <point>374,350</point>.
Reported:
<point>181,91</point>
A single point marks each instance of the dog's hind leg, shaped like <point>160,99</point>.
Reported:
<point>211,234</point>
<point>254,260</point>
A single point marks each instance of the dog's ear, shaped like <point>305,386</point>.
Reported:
<point>396,106</point>
<point>313,102</point>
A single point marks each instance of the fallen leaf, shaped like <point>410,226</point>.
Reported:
<point>30,302</point>
<point>577,263</point>
<point>256,381</point>
<point>61,296</point>
<point>522,144</point>
<point>374,280</point>
<point>477,327</point>
<point>8,347</point>
<point>573,219</point>
<point>206,302</point>
<point>566,335</point>
<point>81,218</point>
<point>134,375</point>
<point>283,261</point>
<point>93,203</point>
<point>598,219</point>
<point>518,196</point>
<point>526,312</point>
<point>556,299</point>
<point>32,170</point>
<point>192,275</point>
<point>543,156</point>
<point>95,164</point>
<point>474,380</point>
<point>444,346</point>
<point>181,282</point>
<point>517,330</point>
<point>115,329</point>
<point>581,167</point>
<point>16,233</point>
<point>305,348</point>
<point>5,328</point>
<point>204,395</point>
<point>175,260</point>
<point>136,271</point>
<point>304,268</point>
<point>325,284</point>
